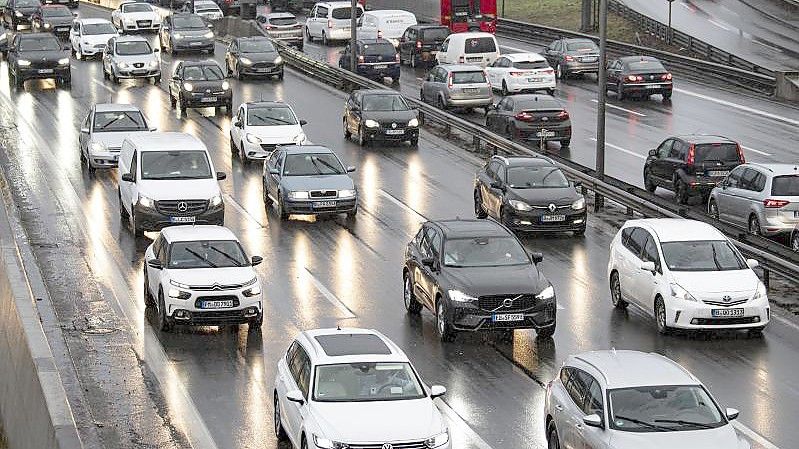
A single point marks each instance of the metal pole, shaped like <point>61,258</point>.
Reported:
<point>601,95</point>
<point>668,38</point>
<point>503,9</point>
<point>353,37</point>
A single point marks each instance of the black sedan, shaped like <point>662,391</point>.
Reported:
<point>52,19</point>
<point>476,275</point>
<point>531,117</point>
<point>253,56</point>
<point>19,12</point>
<point>639,76</point>
<point>383,115</point>
<point>200,84</point>
<point>528,194</point>
<point>38,56</point>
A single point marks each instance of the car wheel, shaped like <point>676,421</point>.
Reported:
<point>413,306</point>
<point>134,225</point>
<point>559,74</point>
<point>615,292</point>
<point>648,183</point>
<point>442,104</point>
<point>184,106</point>
<point>123,213</point>
<point>413,61</point>
<point>795,241</point>
<point>19,82</point>
<point>504,217</point>
<point>257,322</point>
<point>281,210</point>
<point>265,194</point>
<point>619,92</point>
<point>565,143</point>
<point>660,317</point>
<point>172,101</point>
<point>754,225</point>
<point>347,133</point>
<point>756,332</point>
<point>666,96</point>
<point>114,77</point>
<point>228,70</point>
<point>414,142</point>
<point>244,159</point>
<point>550,91</point>
<point>308,34</point>
<point>445,331</point>
<point>479,210</point>
<point>362,141</point>
<point>713,209</point>
<point>165,324</point>
<point>105,74</point>
<point>149,301</point>
<point>681,192</point>
<point>545,332</point>
<point>505,92</point>
<point>553,442</point>
<point>325,42</point>
<point>280,432</point>
<point>156,80</point>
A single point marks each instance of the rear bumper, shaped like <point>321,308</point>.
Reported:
<point>471,102</point>
<point>521,84</point>
<point>647,88</point>
<point>581,67</point>
<point>527,132</point>
<point>369,71</point>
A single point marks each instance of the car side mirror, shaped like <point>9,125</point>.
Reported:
<point>577,184</point>
<point>255,260</point>
<point>84,130</point>
<point>496,185</point>
<point>648,266</point>
<point>176,77</point>
<point>350,169</point>
<point>128,177</point>
<point>155,263</point>
<point>153,129</point>
<point>274,171</point>
<point>295,396</point>
<point>75,15</point>
<point>220,175</point>
<point>653,153</point>
<point>732,413</point>
<point>537,257</point>
<point>156,50</point>
<point>592,420</point>
<point>437,391</point>
<point>752,263</point>
<point>429,262</point>
<point>303,122</point>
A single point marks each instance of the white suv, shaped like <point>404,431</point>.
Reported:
<point>686,274</point>
<point>259,127</point>
<point>200,275</point>
<point>340,388</point>
<point>630,399</point>
<point>330,21</point>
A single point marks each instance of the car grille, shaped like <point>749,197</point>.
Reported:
<point>393,125</point>
<point>173,207</point>
<point>263,65</point>
<point>495,303</point>
<point>144,23</point>
<point>49,64</point>
<point>561,206</point>
<point>323,193</point>
<point>138,65</point>
<point>405,445</point>
<point>733,302</point>
<point>724,321</point>
<point>200,299</point>
<point>216,287</point>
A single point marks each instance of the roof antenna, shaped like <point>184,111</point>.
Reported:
<point>613,349</point>
<point>338,327</point>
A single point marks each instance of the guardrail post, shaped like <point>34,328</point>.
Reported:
<point>766,277</point>
<point>630,211</point>
<point>476,144</point>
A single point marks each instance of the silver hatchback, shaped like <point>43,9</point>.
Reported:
<point>457,86</point>
<point>762,197</point>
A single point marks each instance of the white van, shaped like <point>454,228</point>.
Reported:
<point>330,21</point>
<point>168,179</point>
<point>389,24</point>
<point>469,48</point>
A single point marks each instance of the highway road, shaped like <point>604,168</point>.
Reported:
<point>212,387</point>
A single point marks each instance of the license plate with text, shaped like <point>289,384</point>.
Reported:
<point>727,313</point>
<point>501,317</point>
<point>217,304</point>
<point>323,204</point>
<point>182,219</point>
<point>552,218</point>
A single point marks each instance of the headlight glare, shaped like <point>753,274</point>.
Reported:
<point>413,123</point>
<point>346,193</point>
<point>437,440</point>
<point>578,204</point>
<point>146,202</point>
<point>245,61</point>
<point>678,292</point>
<point>278,60</point>
<point>17,13</point>
<point>216,200</point>
<point>46,25</point>
<point>300,138</point>
<point>177,36</point>
<point>63,61</point>
<point>547,293</point>
<point>298,195</point>
<point>325,443</point>
<point>209,35</point>
<point>179,294</point>
<point>97,147</point>
<point>761,292</point>
<point>459,296</point>
<point>124,65</point>
<point>520,205</point>
<point>188,87</point>
<point>225,85</point>
<point>154,63</point>
<point>23,62</point>
<point>371,123</point>
<point>252,291</point>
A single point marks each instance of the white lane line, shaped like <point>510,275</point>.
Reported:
<point>517,50</point>
<point>754,436</point>
<point>330,296</point>
<point>718,24</point>
<point>108,89</point>
<point>242,210</point>
<point>785,321</point>
<point>755,151</point>
<point>778,50</point>
<point>740,107</point>
<point>402,205</point>
<point>613,106</point>
<point>623,150</point>
<point>461,428</point>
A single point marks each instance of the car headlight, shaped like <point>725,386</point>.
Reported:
<point>245,61</point>
<point>459,296</point>
<point>437,440</point>
<point>300,138</point>
<point>177,36</point>
<point>547,293</point>
<point>578,204</point>
<point>177,293</point>
<point>209,35</point>
<point>325,443</point>
<point>17,13</point>
<point>179,284</point>
<point>520,205</point>
<point>188,87</point>
<point>371,124</point>
<point>678,292</point>
<point>63,61</point>
<point>23,62</point>
<point>225,85</point>
<point>153,63</point>
<point>97,147</point>
<point>413,123</point>
<point>252,138</point>
<point>86,43</point>
<point>761,292</point>
<point>146,202</point>
<point>298,195</point>
<point>278,60</point>
<point>123,65</point>
<point>46,25</point>
<point>252,291</point>
<point>216,200</point>
<point>346,193</point>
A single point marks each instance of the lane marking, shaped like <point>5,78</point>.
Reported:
<point>241,209</point>
<point>778,50</point>
<point>462,426</point>
<point>97,83</point>
<point>754,436</point>
<point>517,50</point>
<point>718,24</point>
<point>785,321</point>
<point>740,107</point>
<point>756,151</point>
<point>330,296</point>
<point>613,106</point>
<point>623,150</point>
<point>402,205</point>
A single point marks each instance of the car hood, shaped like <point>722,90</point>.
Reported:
<point>402,117</point>
<point>44,55</point>
<point>113,139</point>
<point>278,134</point>
<point>95,39</point>
<point>556,195</point>
<point>321,182</point>
<point>269,56</point>
<point>131,59</point>
<point>510,280</point>
<point>376,422</point>
<point>178,189</point>
<point>211,276</point>
<point>190,33</point>
<point>132,16</point>
<point>731,281</point>
<point>58,21</point>
<point>201,86</point>
<point>719,438</point>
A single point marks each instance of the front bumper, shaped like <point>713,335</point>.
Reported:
<point>531,132</point>
<point>698,315</point>
<point>307,207</point>
<point>136,26</point>
<point>28,73</point>
<point>261,151</point>
<point>152,220</point>
<point>89,51</point>
<point>260,70</point>
<point>534,220</point>
<point>207,100</point>
<point>469,317</point>
<point>137,73</point>
<point>193,44</point>
<point>106,159</point>
<point>190,311</point>
<point>391,70</point>
<point>391,134</point>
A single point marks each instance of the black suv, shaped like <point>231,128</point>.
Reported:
<point>19,12</point>
<point>476,275</point>
<point>376,114</point>
<point>420,43</point>
<point>528,194</point>
<point>377,59</point>
<point>691,165</point>
<point>200,84</point>
<point>38,56</point>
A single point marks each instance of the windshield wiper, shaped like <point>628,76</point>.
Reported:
<point>332,168</point>
<point>274,119</point>
<point>645,423</point>
<point>687,423</point>
<point>197,255</point>
<point>715,259</point>
<point>232,259</point>
<point>117,118</point>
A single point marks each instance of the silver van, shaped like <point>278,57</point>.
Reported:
<point>457,86</point>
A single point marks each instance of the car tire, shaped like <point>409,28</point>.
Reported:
<point>157,80</point>
<point>257,322</point>
<point>479,210</point>
<point>755,332</point>
<point>713,209</point>
<point>280,432</point>
<point>172,101</point>
<point>619,92</point>
<point>442,104</point>
<point>545,332</point>
<point>579,232</point>
<point>444,329</point>
<point>267,200</point>
<point>114,78</point>
<point>550,91</point>
<point>123,213</point>
<point>681,192</point>
<point>666,96</point>
<point>414,62</point>
<point>565,143</point>
<point>243,157</point>
<point>504,217</point>
<point>559,72</point>
<point>351,215</point>
<point>795,241</point>
<point>648,183</point>
<point>754,226</point>
<point>347,133</point>
<point>660,317</point>
<point>505,91</point>
<point>615,292</point>
<point>105,74</point>
<point>134,226</point>
<point>149,300</point>
<point>325,42</point>
<point>281,209</point>
<point>362,140</point>
<point>164,323</point>
<point>413,306</point>
<point>308,34</point>
<point>228,70</point>
<point>184,106</point>
<point>553,441</point>
<point>414,142</point>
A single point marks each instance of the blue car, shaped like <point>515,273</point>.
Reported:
<point>377,59</point>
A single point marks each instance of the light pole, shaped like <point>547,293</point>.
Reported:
<point>668,38</point>
<point>601,96</point>
<point>353,37</point>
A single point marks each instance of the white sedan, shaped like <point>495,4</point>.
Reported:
<point>136,16</point>
<point>521,72</point>
<point>88,37</point>
<point>259,127</point>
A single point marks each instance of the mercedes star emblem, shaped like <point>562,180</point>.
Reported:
<point>552,207</point>
<point>182,206</point>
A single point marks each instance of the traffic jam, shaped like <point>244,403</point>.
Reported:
<point>363,281</point>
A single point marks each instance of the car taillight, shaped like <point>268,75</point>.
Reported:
<point>666,77</point>
<point>360,59</point>
<point>741,154</point>
<point>691,154</point>
<point>461,59</point>
<point>569,58</point>
<point>449,81</point>
<point>396,57</point>
<point>549,72</point>
<point>524,117</point>
<point>516,73</point>
<point>330,24</point>
<point>635,78</point>
<point>418,44</point>
<point>775,204</point>
<point>563,115</point>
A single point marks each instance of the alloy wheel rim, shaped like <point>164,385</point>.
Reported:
<point>754,226</point>
<point>616,289</point>
<point>714,210</point>
<point>440,320</point>
<point>407,294</point>
<point>277,417</point>
<point>661,316</point>
<point>795,243</point>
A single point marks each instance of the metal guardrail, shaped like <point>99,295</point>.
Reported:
<point>751,78</point>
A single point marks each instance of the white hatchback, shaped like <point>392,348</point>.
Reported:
<point>136,16</point>
<point>340,388</point>
<point>687,275</point>
<point>88,37</point>
<point>259,127</point>
<point>521,72</point>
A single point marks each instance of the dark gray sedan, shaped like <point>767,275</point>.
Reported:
<point>308,180</point>
<point>572,56</point>
<point>186,32</point>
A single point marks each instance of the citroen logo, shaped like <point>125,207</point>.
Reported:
<point>216,287</point>
<point>182,206</point>
<point>727,298</point>
<point>552,207</point>
<point>388,446</point>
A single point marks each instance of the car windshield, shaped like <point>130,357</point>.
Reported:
<point>56,12</point>
<point>785,185</point>
<point>206,7</point>
<point>119,121</point>
<point>188,23</point>
<point>468,77</point>
<point>702,255</point>
<point>531,65</point>
<point>270,116</point>
<point>175,165</point>
<point>581,46</point>
<point>45,43</point>
<point>361,382</point>
<point>721,152</point>
<point>282,21</point>
<point>484,252</point>
<point>345,13</point>
<point>202,73</point>
<point>93,29</point>
<point>136,7</point>
<point>434,34</point>
<point>645,66</point>
<point>259,46</point>
<point>133,48</point>
<point>384,103</point>
<point>663,409</point>
<point>311,164</point>
<point>26,3</point>
<point>207,254</point>
<point>536,177</point>
<point>378,48</point>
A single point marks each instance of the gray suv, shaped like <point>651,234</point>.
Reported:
<point>762,197</point>
<point>457,86</point>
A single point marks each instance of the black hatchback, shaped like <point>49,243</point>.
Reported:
<point>420,44</point>
<point>382,115</point>
<point>531,117</point>
<point>377,59</point>
<point>476,275</point>
<point>639,76</point>
<point>200,84</point>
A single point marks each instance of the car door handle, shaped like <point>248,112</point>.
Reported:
<point>559,407</point>
<point>578,425</point>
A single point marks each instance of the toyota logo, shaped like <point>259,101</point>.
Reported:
<point>552,207</point>
<point>182,206</point>
<point>726,298</point>
<point>388,446</point>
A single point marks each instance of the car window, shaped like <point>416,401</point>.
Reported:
<point>536,177</point>
<point>270,116</point>
<point>130,48</point>
<point>526,65</point>
<point>665,148</point>
<point>663,408</point>
<point>257,46</point>
<point>650,252</point>
<point>56,12</point>
<point>119,121</point>
<point>592,402</point>
<point>207,254</point>
<point>188,23</point>
<point>434,34</point>
<point>749,179</point>
<point>636,241</point>
<point>366,381</point>
<point>134,163</point>
<point>702,255</point>
<point>721,152</point>
<point>384,103</point>
<point>445,45</point>
<point>91,29</point>
<point>283,21</point>
<point>480,45</point>
<point>162,165</point>
<point>625,235</point>
<point>576,387</point>
<point>424,243</point>
<point>433,237</point>
<point>345,13</point>
<point>136,7</point>
<point>468,77</point>
<point>785,185</point>
<point>43,43</point>
<point>273,159</point>
<point>581,46</point>
<point>484,252</point>
<point>734,178</point>
<point>202,73</point>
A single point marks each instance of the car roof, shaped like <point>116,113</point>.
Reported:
<point>115,107</point>
<point>203,62</point>
<point>624,368</point>
<point>678,229</point>
<point>205,2</point>
<point>337,4</point>
<point>193,233</point>
<point>165,141</point>
<point>777,169</point>
<point>524,161</point>
<point>373,41</point>
<point>467,228</point>
<point>461,68</point>
<point>54,7</point>
<point>91,20</point>
<point>517,57</point>
<point>253,38</point>
<point>577,39</point>
<point>350,345</point>
<point>704,138</point>
<point>37,35</point>
<point>428,25</point>
<point>305,149</point>
<point>638,58</point>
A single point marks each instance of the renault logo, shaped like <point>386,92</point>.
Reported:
<point>388,446</point>
<point>552,207</point>
<point>182,206</point>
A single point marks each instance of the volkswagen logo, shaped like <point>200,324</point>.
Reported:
<point>182,206</point>
<point>388,446</point>
<point>544,119</point>
<point>552,207</point>
<point>393,125</point>
<point>726,298</point>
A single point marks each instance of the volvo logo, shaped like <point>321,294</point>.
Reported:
<point>388,446</point>
<point>726,298</point>
<point>507,302</point>
<point>552,207</point>
<point>182,206</point>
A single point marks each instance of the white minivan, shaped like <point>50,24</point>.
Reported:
<point>469,48</point>
<point>168,179</point>
<point>330,21</point>
<point>389,24</point>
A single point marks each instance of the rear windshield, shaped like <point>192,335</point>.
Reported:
<point>480,45</point>
<point>531,65</point>
<point>468,77</point>
<point>785,185</point>
<point>207,8</point>
<point>435,34</point>
<point>56,12</point>
<point>724,152</point>
<point>28,3</point>
<point>648,66</point>
<point>283,21</point>
<point>580,46</point>
<point>380,48</point>
<point>539,106</point>
<point>344,13</point>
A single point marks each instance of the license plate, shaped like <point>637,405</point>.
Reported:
<point>589,59</point>
<point>395,132</point>
<point>261,70</point>
<point>323,204</point>
<point>724,313</point>
<point>208,99</point>
<point>195,44</point>
<point>182,219</point>
<point>471,90</point>
<point>45,70</point>
<point>652,87</point>
<point>498,317</point>
<point>380,66</point>
<point>533,80</point>
<point>552,218</point>
<point>545,134</point>
<point>217,304</point>
<point>718,173</point>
